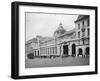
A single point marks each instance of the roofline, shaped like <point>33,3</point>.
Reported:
<point>86,16</point>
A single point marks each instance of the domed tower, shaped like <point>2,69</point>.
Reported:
<point>59,31</point>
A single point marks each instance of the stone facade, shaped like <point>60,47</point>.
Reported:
<point>63,43</point>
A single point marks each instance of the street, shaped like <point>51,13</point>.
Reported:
<point>55,62</point>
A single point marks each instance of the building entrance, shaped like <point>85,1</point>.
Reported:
<point>87,51</point>
<point>65,50</point>
<point>73,50</point>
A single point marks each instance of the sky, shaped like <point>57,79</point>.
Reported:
<point>45,24</point>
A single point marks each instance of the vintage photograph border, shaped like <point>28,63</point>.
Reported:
<point>15,39</point>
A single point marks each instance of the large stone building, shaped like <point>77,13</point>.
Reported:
<point>63,43</point>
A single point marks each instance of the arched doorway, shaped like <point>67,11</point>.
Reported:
<point>73,50</point>
<point>87,51</point>
<point>38,52</point>
<point>35,53</point>
<point>80,51</point>
<point>65,50</point>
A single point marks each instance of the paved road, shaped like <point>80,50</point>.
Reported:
<point>55,62</point>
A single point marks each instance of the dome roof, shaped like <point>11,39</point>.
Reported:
<point>60,30</point>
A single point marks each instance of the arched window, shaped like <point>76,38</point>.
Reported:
<point>38,52</point>
<point>35,52</point>
<point>80,51</point>
<point>87,51</point>
<point>73,49</point>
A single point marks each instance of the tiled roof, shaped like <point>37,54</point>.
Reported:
<point>80,17</point>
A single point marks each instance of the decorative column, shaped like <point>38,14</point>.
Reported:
<point>61,50</point>
<point>70,49</point>
<point>58,49</point>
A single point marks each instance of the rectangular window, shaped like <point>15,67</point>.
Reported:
<point>79,42</point>
<point>78,34</point>
<point>79,26</point>
<point>53,50</point>
<point>48,50</point>
<point>83,24</point>
<point>88,32</point>
<point>88,22</point>
<point>56,50</point>
<point>83,34</point>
